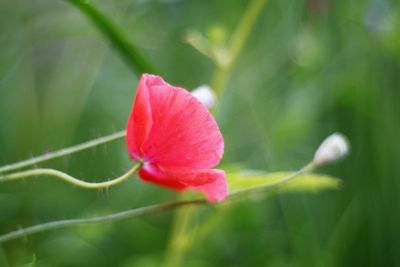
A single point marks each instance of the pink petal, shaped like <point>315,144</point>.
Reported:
<point>177,138</point>
<point>216,190</point>
<point>153,175</point>
<point>183,133</point>
<point>139,122</point>
<point>209,181</point>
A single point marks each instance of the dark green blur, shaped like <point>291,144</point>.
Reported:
<point>309,68</point>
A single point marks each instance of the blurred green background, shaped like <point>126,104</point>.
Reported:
<point>308,68</point>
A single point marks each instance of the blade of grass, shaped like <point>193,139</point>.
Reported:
<point>129,52</point>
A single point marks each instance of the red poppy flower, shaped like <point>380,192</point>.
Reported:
<point>177,139</point>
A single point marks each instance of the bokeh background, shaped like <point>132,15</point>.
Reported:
<point>307,69</point>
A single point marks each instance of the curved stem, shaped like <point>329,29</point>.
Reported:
<point>308,168</point>
<point>70,179</point>
<point>133,213</point>
<point>63,152</point>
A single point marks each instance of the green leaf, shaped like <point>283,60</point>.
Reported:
<point>245,180</point>
<point>112,32</point>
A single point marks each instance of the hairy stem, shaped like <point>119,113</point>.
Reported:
<point>133,213</point>
<point>63,152</point>
<point>68,178</point>
<point>101,219</point>
<point>307,168</point>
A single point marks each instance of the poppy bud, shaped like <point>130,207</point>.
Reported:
<point>205,95</point>
<point>331,149</point>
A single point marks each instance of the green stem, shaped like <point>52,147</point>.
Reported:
<point>245,26</point>
<point>308,168</point>
<point>133,213</point>
<point>181,236</point>
<point>237,42</point>
<point>63,152</point>
<point>107,218</point>
<point>70,179</point>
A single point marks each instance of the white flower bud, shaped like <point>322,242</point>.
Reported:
<point>331,149</point>
<point>205,95</point>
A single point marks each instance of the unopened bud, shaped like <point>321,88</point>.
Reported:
<point>205,95</point>
<point>331,149</point>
